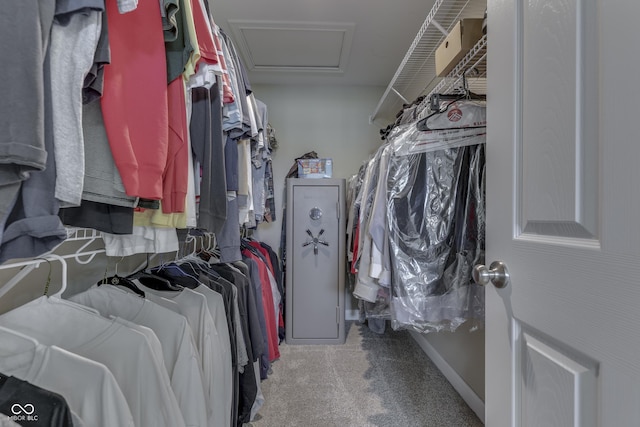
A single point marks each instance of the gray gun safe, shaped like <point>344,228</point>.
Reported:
<point>316,228</point>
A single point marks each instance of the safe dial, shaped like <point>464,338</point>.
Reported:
<point>315,213</point>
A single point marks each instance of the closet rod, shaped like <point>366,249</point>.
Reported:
<point>30,265</point>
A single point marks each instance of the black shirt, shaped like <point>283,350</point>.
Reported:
<point>29,405</point>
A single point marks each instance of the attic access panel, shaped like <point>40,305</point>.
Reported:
<point>293,45</point>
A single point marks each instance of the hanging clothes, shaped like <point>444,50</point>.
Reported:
<point>254,276</point>
<point>420,224</point>
<point>268,305</point>
<point>192,305</point>
<point>175,336</point>
<point>22,108</point>
<point>244,385</point>
<point>137,125</point>
<point>125,352</point>
<point>51,407</point>
<point>91,391</point>
<point>74,39</point>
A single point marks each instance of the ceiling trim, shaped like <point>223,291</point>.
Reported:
<point>240,27</point>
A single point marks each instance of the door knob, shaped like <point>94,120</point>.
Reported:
<point>497,274</point>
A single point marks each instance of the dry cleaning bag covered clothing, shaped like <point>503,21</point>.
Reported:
<point>436,217</point>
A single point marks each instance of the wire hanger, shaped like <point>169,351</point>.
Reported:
<point>48,282</point>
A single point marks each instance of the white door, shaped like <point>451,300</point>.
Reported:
<point>563,213</point>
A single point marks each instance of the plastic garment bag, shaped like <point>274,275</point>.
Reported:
<point>435,218</point>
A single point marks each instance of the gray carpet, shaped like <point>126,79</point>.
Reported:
<point>372,380</point>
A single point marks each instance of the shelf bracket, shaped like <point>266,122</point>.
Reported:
<point>400,96</point>
<point>439,27</point>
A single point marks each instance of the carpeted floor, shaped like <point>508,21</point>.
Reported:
<point>372,380</point>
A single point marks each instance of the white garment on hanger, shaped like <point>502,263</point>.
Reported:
<point>125,352</point>
<point>193,306</point>
<point>143,240</point>
<point>173,336</point>
<point>245,194</point>
<point>190,205</point>
<point>366,287</point>
<point>89,388</point>
<point>380,264</point>
<point>215,303</point>
<point>5,421</point>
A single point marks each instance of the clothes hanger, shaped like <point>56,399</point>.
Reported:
<point>19,334</point>
<point>205,253</point>
<point>48,282</point>
<point>63,283</point>
<point>434,103</point>
<point>183,277</point>
<point>212,253</point>
<point>164,269</point>
<point>116,280</point>
<point>153,281</point>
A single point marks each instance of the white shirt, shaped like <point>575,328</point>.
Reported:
<point>190,205</point>
<point>193,306</point>
<point>5,421</point>
<point>380,266</point>
<point>125,352</point>
<point>215,303</point>
<point>89,387</point>
<point>142,240</point>
<point>177,349</point>
<point>152,340</point>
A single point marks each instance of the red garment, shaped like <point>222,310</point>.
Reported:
<point>227,93</point>
<point>265,253</point>
<point>208,51</point>
<point>268,306</point>
<point>134,101</point>
<point>356,239</point>
<point>176,174</point>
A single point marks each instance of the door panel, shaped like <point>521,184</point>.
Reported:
<point>556,128</point>
<point>563,196</point>
<point>558,386</point>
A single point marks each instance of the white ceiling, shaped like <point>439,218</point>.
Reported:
<point>311,42</point>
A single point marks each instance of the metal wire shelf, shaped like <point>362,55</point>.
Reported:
<point>473,67</point>
<point>416,74</point>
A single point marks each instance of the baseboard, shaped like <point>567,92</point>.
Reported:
<point>475,403</point>
<point>351,315</point>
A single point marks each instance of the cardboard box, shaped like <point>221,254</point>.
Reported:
<point>315,168</point>
<point>455,46</point>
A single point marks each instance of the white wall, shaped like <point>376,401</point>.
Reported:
<point>330,120</point>
<point>333,121</point>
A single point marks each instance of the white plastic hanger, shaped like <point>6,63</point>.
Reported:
<point>13,332</point>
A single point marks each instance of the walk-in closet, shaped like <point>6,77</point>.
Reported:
<point>221,213</point>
